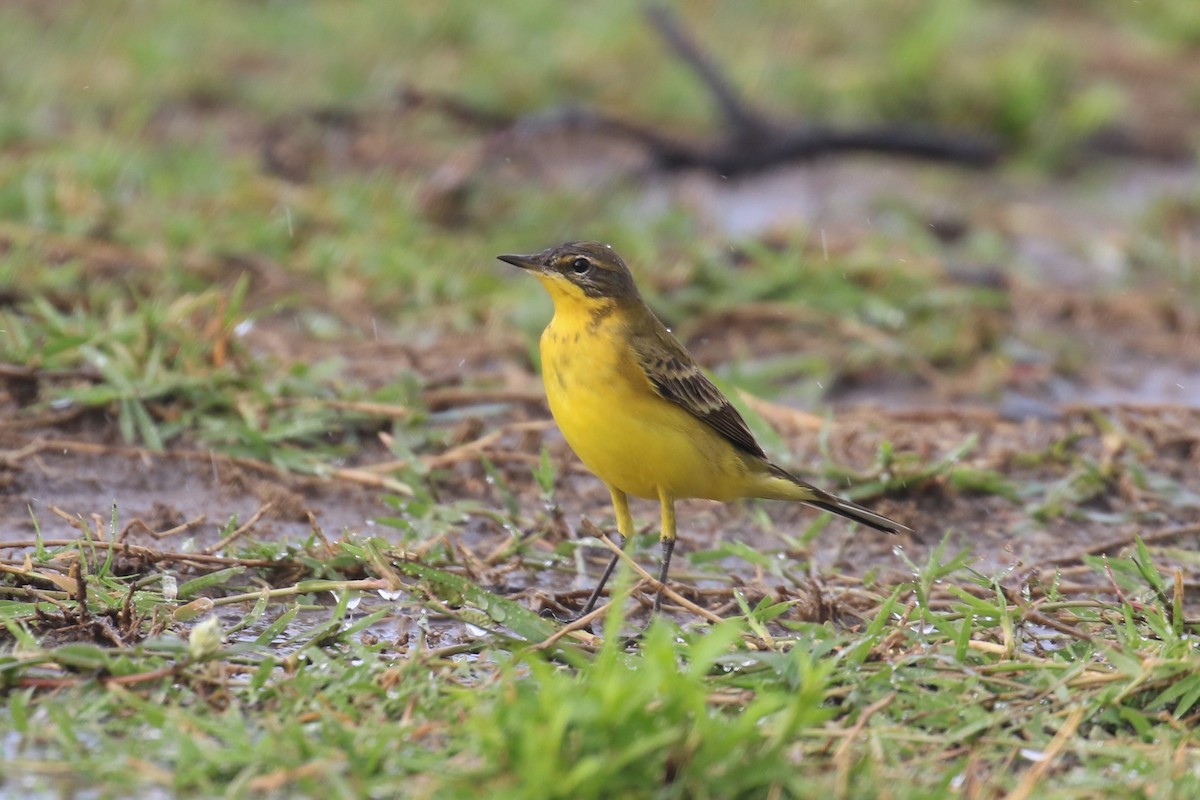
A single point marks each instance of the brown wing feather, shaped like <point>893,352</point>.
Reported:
<point>677,378</point>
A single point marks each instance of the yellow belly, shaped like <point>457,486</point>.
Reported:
<point>629,436</point>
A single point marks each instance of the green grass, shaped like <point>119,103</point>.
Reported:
<point>321,54</point>
<point>322,688</point>
<point>151,265</point>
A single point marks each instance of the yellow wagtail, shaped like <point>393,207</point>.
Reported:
<point>634,406</point>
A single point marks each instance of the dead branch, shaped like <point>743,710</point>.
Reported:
<point>752,140</point>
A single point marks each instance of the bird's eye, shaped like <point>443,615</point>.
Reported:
<point>581,265</point>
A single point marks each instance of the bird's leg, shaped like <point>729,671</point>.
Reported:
<point>625,531</point>
<point>667,537</point>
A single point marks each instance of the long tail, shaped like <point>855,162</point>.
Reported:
<point>779,484</point>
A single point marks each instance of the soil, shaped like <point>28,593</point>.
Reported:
<point>1145,456</point>
<point>1118,434</point>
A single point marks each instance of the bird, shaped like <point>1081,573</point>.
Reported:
<point>639,412</point>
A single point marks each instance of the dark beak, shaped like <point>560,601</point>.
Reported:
<point>524,262</point>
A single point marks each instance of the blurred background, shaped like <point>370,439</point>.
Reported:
<point>362,163</point>
<point>257,226</point>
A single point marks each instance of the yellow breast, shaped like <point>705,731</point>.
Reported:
<point>617,424</point>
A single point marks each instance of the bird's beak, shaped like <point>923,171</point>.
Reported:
<point>530,263</point>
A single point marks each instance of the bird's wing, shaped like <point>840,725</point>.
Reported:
<point>676,377</point>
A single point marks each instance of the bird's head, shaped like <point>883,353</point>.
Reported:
<point>580,273</point>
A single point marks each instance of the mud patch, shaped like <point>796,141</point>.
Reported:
<point>149,491</point>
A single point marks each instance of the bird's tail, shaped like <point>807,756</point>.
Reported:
<point>779,484</point>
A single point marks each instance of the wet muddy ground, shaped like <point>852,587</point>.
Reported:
<point>1081,429</point>
<point>1026,468</point>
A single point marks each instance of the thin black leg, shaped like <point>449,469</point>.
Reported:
<point>595,596</point>
<point>668,547</point>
